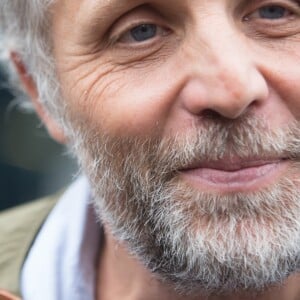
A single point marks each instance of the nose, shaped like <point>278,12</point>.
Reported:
<point>222,76</point>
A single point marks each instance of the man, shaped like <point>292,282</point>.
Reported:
<point>184,116</point>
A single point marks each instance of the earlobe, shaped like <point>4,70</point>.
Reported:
<point>30,87</point>
<point>53,128</point>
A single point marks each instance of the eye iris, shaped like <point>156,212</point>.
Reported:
<point>143,32</point>
<point>272,12</point>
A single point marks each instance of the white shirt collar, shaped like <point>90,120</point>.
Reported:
<point>61,264</point>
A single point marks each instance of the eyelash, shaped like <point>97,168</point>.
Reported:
<point>127,34</point>
<point>290,8</point>
<point>138,16</point>
<point>124,37</point>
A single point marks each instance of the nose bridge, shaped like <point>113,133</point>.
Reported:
<point>223,74</point>
<point>228,58</point>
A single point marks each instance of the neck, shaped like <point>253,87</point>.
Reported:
<point>122,276</point>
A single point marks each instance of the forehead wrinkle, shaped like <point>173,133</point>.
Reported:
<point>107,5</point>
<point>92,15</point>
<point>114,6</point>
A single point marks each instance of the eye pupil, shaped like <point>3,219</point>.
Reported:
<point>143,32</point>
<point>272,12</point>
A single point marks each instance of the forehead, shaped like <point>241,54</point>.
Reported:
<point>90,6</point>
<point>84,9</point>
<point>109,8</point>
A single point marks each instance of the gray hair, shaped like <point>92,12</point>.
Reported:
<point>25,29</point>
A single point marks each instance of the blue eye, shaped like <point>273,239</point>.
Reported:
<point>143,32</point>
<point>272,12</point>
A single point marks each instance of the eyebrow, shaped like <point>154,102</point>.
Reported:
<point>99,5</point>
<point>275,4</point>
<point>95,16</point>
<point>102,11</point>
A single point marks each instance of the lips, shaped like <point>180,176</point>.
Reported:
<point>235,174</point>
<point>235,164</point>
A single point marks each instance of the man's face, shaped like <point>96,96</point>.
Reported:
<point>188,115</point>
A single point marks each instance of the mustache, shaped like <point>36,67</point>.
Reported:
<point>215,140</point>
<point>211,139</point>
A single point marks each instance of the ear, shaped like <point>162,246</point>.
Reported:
<point>30,87</point>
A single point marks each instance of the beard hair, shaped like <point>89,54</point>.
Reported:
<point>198,242</point>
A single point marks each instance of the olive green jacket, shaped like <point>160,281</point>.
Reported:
<point>18,229</point>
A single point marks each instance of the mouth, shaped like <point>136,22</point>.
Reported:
<point>235,174</point>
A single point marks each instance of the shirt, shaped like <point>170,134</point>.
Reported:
<point>61,264</point>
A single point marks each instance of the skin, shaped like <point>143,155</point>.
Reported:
<point>216,55</point>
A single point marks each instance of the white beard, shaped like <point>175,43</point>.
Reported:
<point>198,242</point>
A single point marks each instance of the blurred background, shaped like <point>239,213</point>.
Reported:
<point>31,164</point>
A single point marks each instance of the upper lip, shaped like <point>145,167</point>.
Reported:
<point>233,163</point>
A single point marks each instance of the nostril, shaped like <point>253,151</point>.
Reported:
<point>230,111</point>
<point>216,117</point>
<point>210,114</point>
<point>255,104</point>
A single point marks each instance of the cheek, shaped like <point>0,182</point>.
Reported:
<point>289,88</point>
<point>120,99</point>
<point>282,71</point>
<point>137,105</point>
